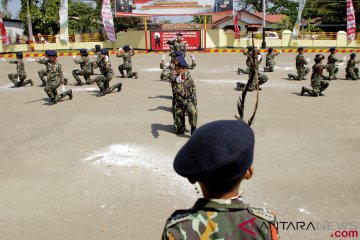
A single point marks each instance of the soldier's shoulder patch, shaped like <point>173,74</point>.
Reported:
<point>262,213</point>
<point>179,216</point>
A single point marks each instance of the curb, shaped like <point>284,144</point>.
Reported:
<point>113,52</point>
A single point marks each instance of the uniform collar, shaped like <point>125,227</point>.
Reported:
<point>220,204</point>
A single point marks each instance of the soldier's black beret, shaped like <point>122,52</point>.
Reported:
<point>83,50</point>
<point>182,61</point>
<point>250,47</point>
<point>222,150</point>
<point>270,49</point>
<point>332,49</point>
<point>19,54</point>
<point>300,48</point>
<point>126,47</point>
<point>318,57</point>
<point>104,51</point>
<point>47,52</point>
<point>353,55</point>
<point>52,53</point>
<point>97,46</point>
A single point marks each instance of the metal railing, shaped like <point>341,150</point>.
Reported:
<point>317,36</point>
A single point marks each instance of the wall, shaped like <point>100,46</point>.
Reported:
<point>215,38</point>
<point>13,29</point>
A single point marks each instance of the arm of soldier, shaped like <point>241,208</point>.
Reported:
<point>13,62</point>
<point>61,73</point>
<point>171,42</point>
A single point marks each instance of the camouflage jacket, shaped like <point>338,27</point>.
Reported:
<point>185,90</point>
<point>225,219</point>
<point>85,63</point>
<point>44,61</point>
<point>351,63</point>
<point>300,61</point>
<point>171,66</point>
<point>20,67</point>
<point>55,73</point>
<point>248,58</point>
<point>317,72</point>
<point>126,56</point>
<point>105,69</point>
<point>332,60</point>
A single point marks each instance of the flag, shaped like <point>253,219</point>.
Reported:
<point>351,23</point>
<point>108,21</point>
<point>236,27</point>
<point>3,34</point>
<point>64,20</point>
<point>296,29</point>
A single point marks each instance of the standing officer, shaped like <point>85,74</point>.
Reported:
<point>18,78</point>
<point>318,85</point>
<point>331,68</point>
<point>85,68</point>
<point>219,157</point>
<point>106,75</point>
<point>300,66</point>
<point>126,52</point>
<point>185,101</point>
<point>352,72</point>
<point>178,44</point>
<point>270,63</point>
<point>55,79</point>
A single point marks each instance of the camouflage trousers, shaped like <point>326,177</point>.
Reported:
<point>269,67</point>
<point>317,89</point>
<point>128,69</point>
<point>262,79</point>
<point>302,72</point>
<point>18,80</point>
<point>352,73</point>
<point>332,72</point>
<point>181,108</point>
<point>244,71</point>
<point>104,85</point>
<point>42,74</point>
<point>51,91</point>
<point>82,72</point>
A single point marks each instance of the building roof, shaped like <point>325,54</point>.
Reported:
<point>272,18</point>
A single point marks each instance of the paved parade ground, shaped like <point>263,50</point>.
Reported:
<point>101,167</point>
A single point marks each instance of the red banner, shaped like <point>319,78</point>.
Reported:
<point>351,24</point>
<point>236,27</point>
<point>3,34</point>
<point>158,39</point>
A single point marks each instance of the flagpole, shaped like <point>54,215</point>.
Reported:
<point>263,45</point>
<point>204,33</point>
<point>146,38</point>
<point>30,31</point>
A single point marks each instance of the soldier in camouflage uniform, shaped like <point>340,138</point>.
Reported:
<point>178,44</point>
<point>300,66</point>
<point>262,78</point>
<point>352,72</point>
<point>96,58</point>
<point>219,156</point>
<point>318,85</point>
<point>331,68</point>
<point>168,67</point>
<point>126,53</point>
<point>184,96</point>
<point>248,61</point>
<point>85,68</point>
<point>55,79</point>
<point>106,75</point>
<point>270,63</point>
<point>18,78</point>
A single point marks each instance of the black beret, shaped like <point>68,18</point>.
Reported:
<point>19,54</point>
<point>221,150</point>
<point>182,61</point>
<point>332,49</point>
<point>250,47</point>
<point>97,46</point>
<point>270,49</point>
<point>104,51</point>
<point>318,57</point>
<point>300,48</point>
<point>47,52</point>
<point>353,55</point>
<point>126,47</point>
<point>52,53</point>
<point>83,50</point>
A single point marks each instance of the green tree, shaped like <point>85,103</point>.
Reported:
<point>165,21</point>
<point>126,23</point>
<point>83,18</point>
<point>36,16</point>
<point>200,19</point>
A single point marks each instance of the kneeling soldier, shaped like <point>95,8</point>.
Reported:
<point>18,78</point>
<point>126,53</point>
<point>352,72</point>
<point>85,68</point>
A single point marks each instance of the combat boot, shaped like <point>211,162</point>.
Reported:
<point>43,83</point>
<point>119,85</point>
<point>100,94</point>
<point>240,86</point>
<point>122,73</point>
<point>303,91</point>
<point>65,81</point>
<point>239,71</point>
<point>135,74</point>
<point>27,82</point>
<point>70,94</point>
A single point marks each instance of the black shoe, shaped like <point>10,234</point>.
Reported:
<point>65,81</point>
<point>239,71</point>
<point>100,94</point>
<point>70,94</point>
<point>78,84</point>
<point>303,90</point>
<point>135,75</point>
<point>119,87</point>
<point>193,129</point>
<point>321,95</point>
<point>122,76</point>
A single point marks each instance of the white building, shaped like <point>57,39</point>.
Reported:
<point>13,28</point>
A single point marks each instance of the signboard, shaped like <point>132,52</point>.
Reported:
<point>158,39</point>
<point>108,21</point>
<point>172,7</point>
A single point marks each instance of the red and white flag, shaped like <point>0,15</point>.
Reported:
<point>108,20</point>
<point>236,26</point>
<point>3,34</point>
<point>351,23</point>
